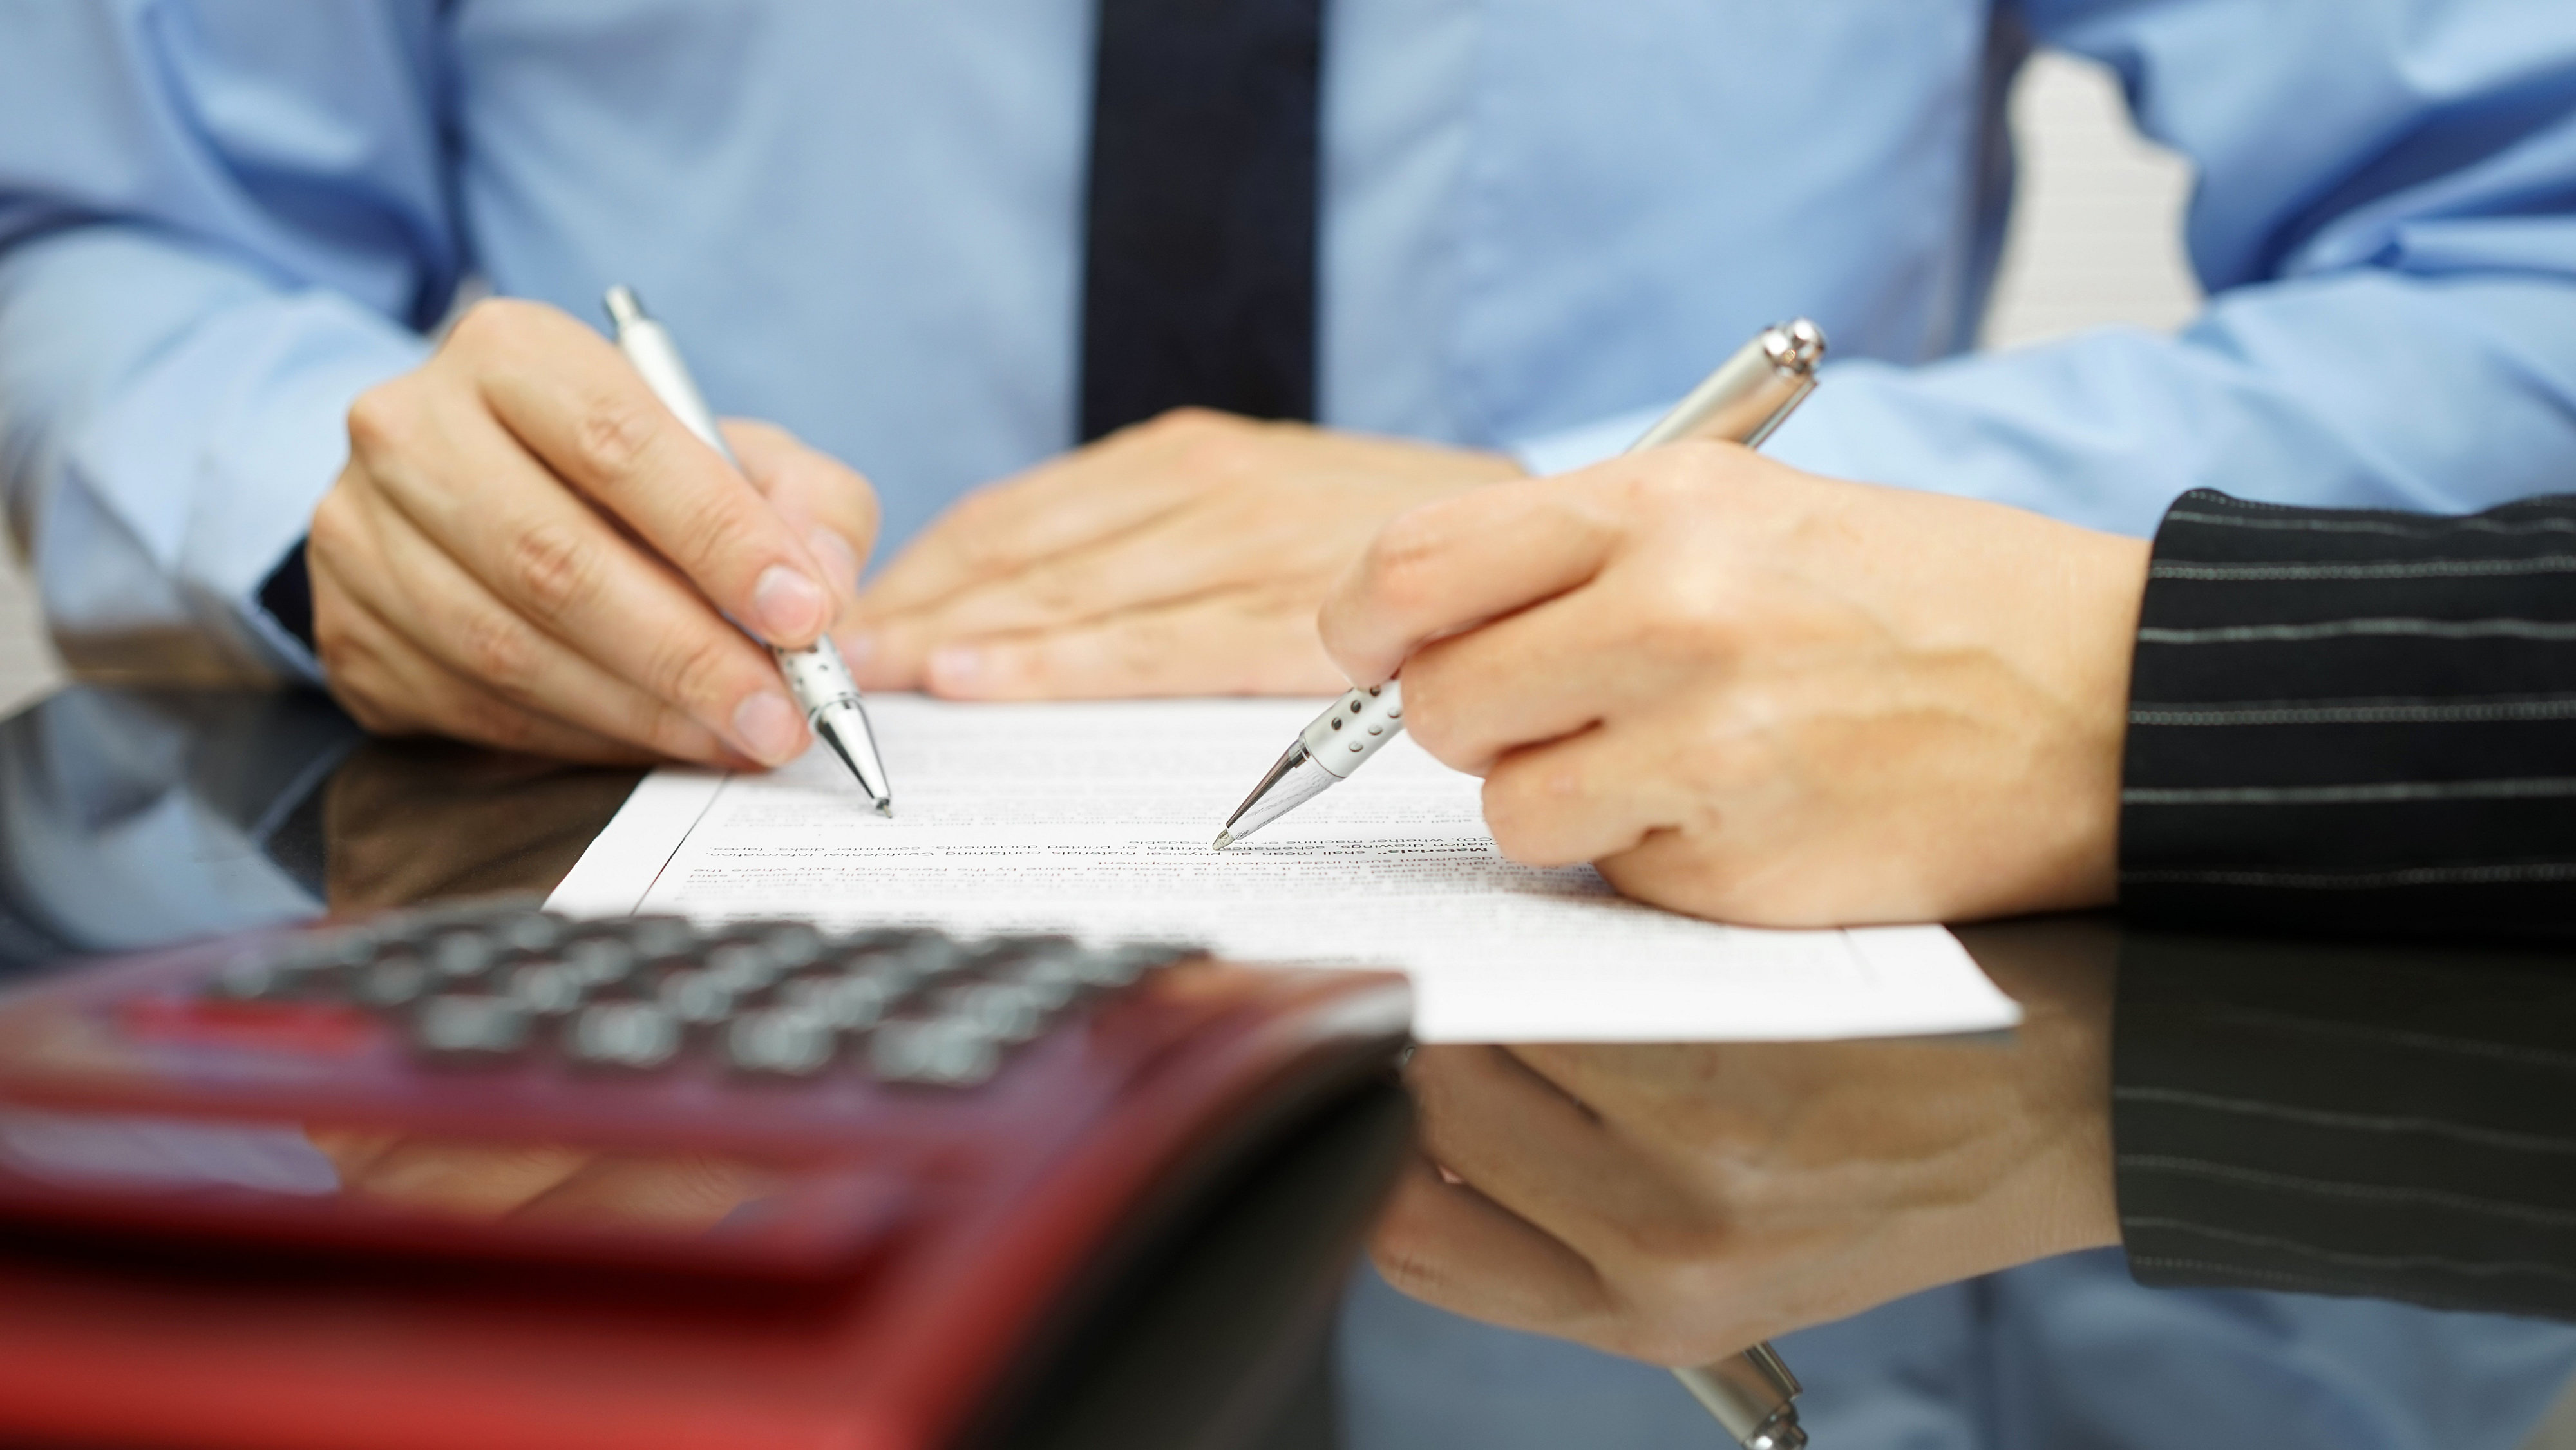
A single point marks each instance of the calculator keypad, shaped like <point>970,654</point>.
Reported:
<point>779,1000</point>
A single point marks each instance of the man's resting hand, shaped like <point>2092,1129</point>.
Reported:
<point>1184,556</point>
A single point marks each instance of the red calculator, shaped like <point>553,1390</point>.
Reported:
<point>485,1176</point>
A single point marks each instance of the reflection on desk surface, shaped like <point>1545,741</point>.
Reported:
<point>130,819</point>
<point>136,818</point>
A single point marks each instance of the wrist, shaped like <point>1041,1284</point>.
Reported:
<point>2102,587</point>
<point>2062,971</point>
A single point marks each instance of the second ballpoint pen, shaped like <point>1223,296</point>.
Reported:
<point>1753,1395</point>
<point>816,674</point>
<point>1748,396</point>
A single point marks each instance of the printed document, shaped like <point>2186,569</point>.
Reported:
<point>1096,819</point>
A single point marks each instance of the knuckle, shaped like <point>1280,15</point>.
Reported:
<point>1221,452</point>
<point>974,527</point>
<point>1395,569</point>
<point>1518,832</point>
<point>495,323</point>
<point>669,733</point>
<point>491,722</point>
<point>380,421</point>
<point>1677,618</point>
<point>720,527</point>
<point>332,537</point>
<point>1652,1340</point>
<point>1665,1247</point>
<point>612,435</point>
<point>554,568</point>
<point>688,666</point>
<point>1189,423</point>
<point>1144,651</point>
<point>1405,1266</point>
<point>1054,591</point>
<point>497,649</point>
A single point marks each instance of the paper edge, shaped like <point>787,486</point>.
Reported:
<point>620,866</point>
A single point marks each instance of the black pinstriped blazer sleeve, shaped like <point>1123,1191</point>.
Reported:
<point>2359,727</point>
<point>2355,722</point>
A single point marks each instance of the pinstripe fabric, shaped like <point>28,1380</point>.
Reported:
<point>2355,721</point>
<point>2390,1120</point>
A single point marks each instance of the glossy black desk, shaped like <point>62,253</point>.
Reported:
<point>130,819</point>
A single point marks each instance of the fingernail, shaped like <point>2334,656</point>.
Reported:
<point>955,668</point>
<point>838,561</point>
<point>768,728</point>
<point>786,604</point>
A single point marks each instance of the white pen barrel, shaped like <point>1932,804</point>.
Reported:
<point>1354,729</point>
<point>819,677</point>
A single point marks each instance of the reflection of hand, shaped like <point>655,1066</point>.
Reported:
<point>1678,1203</point>
<point>541,1185</point>
<point>528,550</point>
<point>1753,694</point>
<point>1182,556</point>
<point>417,820</point>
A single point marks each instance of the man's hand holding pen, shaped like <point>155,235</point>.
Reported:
<point>1756,695</point>
<point>526,549</point>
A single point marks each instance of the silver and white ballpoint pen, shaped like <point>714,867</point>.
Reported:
<point>1748,396</point>
<point>816,675</point>
<point>1753,1396</point>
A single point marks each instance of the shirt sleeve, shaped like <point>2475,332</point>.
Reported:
<point>216,230</point>
<point>2385,220</point>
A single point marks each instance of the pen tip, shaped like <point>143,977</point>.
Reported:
<point>1223,840</point>
<point>885,808</point>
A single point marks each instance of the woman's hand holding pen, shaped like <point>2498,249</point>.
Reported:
<point>1752,694</point>
<point>527,550</point>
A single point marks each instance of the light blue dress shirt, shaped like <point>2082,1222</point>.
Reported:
<point>1543,219</point>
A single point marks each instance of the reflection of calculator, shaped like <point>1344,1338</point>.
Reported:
<point>485,1176</point>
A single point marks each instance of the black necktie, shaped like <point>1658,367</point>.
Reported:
<point>1199,271</point>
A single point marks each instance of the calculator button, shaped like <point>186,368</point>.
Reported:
<point>599,962</point>
<point>661,936</point>
<point>1115,967</point>
<point>848,1002</point>
<point>696,997</point>
<point>1001,1010</point>
<point>252,981</point>
<point>393,980</point>
<point>636,1035</point>
<point>940,1051</point>
<point>461,956</point>
<point>533,932</point>
<point>791,944</point>
<point>468,1027</point>
<point>909,956</point>
<point>743,967</point>
<point>1050,980</point>
<point>549,989</point>
<point>783,1043</point>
